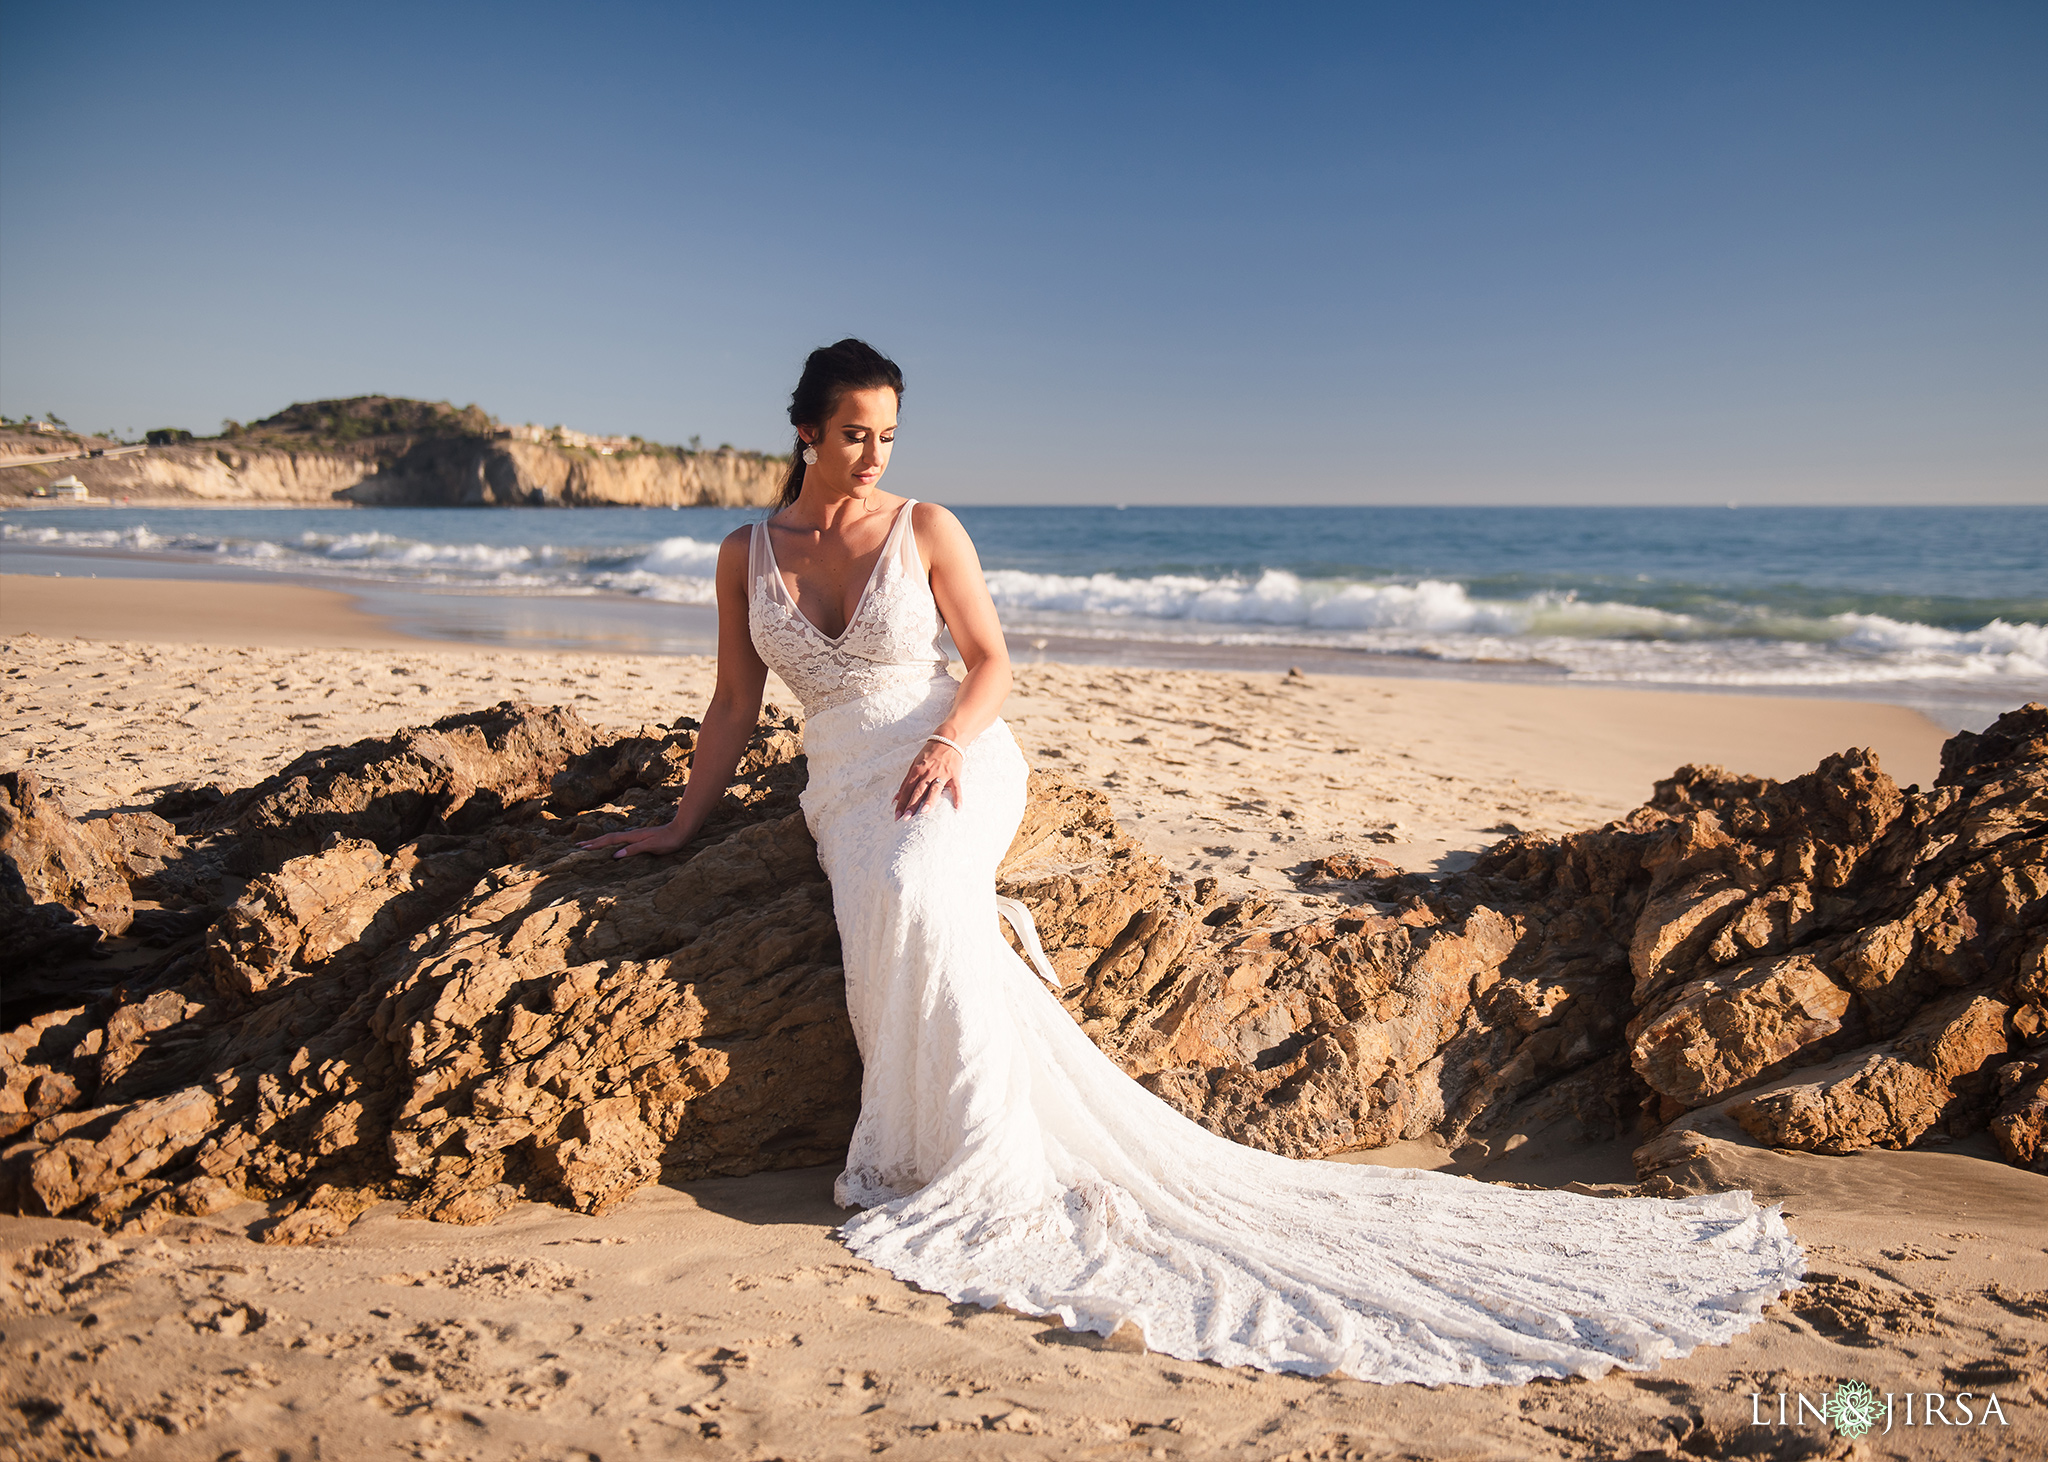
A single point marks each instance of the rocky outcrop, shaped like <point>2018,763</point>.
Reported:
<point>66,884</point>
<point>208,472</point>
<point>484,472</point>
<point>461,773</point>
<point>387,972</point>
<point>80,868</point>
<point>435,472</point>
<point>2021,1126</point>
<point>425,455</point>
<point>1937,1073</point>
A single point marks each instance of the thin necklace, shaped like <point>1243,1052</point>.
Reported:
<point>787,528</point>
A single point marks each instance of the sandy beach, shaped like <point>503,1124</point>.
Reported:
<point>1225,773</point>
<point>721,1319</point>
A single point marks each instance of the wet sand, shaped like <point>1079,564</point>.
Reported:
<point>188,612</point>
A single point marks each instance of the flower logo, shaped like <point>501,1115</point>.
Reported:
<point>1852,1408</point>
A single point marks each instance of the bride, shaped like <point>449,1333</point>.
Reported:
<point>999,1157</point>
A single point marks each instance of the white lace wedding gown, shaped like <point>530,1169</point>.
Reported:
<point>1003,1160</point>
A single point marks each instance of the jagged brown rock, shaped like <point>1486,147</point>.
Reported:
<point>415,987</point>
<point>1732,931</point>
<point>2021,1125</point>
<point>84,867</point>
<point>1891,1096</point>
<point>457,994</point>
<point>1720,1032</point>
<point>462,774</point>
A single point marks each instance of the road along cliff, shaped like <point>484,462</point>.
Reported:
<point>387,973</point>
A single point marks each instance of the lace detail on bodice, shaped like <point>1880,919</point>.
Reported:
<point>892,640</point>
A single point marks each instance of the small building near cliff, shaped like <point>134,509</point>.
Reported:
<point>561,436</point>
<point>69,488</point>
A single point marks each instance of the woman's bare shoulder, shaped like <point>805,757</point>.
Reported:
<point>733,550</point>
<point>932,521</point>
<point>942,539</point>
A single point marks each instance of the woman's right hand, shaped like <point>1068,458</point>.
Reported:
<point>668,838</point>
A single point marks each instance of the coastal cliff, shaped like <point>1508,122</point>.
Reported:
<point>395,453</point>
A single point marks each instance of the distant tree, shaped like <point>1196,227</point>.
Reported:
<point>231,428</point>
<point>166,436</point>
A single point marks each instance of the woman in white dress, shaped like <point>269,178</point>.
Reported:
<point>1000,1158</point>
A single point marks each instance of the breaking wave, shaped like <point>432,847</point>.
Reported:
<point>1724,638</point>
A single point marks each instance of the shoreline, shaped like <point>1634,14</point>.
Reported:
<point>460,617</point>
<point>41,505</point>
<point>1206,594</point>
<point>210,611</point>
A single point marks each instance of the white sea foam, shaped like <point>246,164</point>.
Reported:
<point>1274,597</point>
<point>1439,619</point>
<point>666,588</point>
<point>1588,639</point>
<point>2018,644</point>
<point>673,571</point>
<point>137,538</point>
<point>385,548</point>
<point>680,558</point>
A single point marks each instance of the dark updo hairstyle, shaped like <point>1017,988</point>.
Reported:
<point>832,371</point>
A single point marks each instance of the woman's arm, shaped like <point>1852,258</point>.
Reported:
<point>728,721</point>
<point>962,596</point>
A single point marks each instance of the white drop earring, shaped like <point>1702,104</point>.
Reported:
<point>810,456</point>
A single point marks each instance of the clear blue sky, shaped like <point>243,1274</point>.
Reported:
<point>1439,252</point>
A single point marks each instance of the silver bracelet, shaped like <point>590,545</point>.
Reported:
<point>948,741</point>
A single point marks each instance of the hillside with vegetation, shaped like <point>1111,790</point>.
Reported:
<point>368,418</point>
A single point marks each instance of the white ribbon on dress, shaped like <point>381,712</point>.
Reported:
<point>1019,919</point>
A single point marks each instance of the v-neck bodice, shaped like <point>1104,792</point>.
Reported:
<point>892,639</point>
<point>764,536</point>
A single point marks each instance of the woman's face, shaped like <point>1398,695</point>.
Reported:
<point>853,447</point>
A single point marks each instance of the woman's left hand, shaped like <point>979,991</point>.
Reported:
<point>936,769</point>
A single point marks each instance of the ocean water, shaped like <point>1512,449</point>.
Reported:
<point>1942,608</point>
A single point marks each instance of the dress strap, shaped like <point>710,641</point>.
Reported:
<point>762,567</point>
<point>903,540</point>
